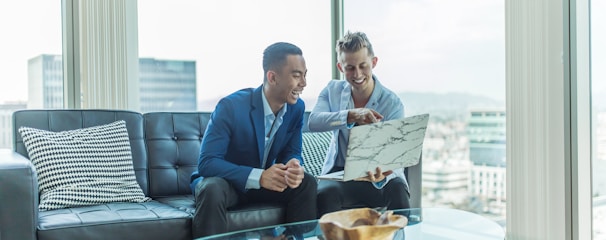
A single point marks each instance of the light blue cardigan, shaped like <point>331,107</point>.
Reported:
<point>330,114</point>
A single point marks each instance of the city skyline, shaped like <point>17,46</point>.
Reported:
<point>164,84</point>
<point>43,36</point>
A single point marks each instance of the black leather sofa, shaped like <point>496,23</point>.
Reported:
<point>165,148</point>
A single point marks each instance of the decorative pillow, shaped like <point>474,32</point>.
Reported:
<point>315,145</point>
<point>83,167</point>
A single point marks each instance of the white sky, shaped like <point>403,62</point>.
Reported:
<point>422,45</point>
<point>30,28</point>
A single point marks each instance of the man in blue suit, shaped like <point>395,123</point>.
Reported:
<point>251,150</point>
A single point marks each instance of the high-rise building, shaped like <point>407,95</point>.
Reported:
<point>445,182</point>
<point>165,85</point>
<point>45,79</point>
<point>486,133</point>
<point>6,126</point>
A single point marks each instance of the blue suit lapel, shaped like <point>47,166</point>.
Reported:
<point>258,119</point>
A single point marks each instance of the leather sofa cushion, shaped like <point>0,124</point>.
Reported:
<point>148,220</point>
<point>238,217</point>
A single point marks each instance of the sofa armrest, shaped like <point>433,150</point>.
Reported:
<point>414,178</point>
<point>18,197</point>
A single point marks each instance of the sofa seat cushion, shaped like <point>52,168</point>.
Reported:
<point>148,220</point>
<point>184,203</point>
<point>239,217</point>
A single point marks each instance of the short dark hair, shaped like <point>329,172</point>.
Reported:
<point>274,56</point>
<point>352,42</point>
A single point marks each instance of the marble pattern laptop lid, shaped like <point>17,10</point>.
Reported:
<point>389,145</point>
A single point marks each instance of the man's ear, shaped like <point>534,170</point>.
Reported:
<point>271,77</point>
<point>340,67</point>
<point>374,61</point>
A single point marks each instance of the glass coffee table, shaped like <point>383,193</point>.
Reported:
<point>425,224</point>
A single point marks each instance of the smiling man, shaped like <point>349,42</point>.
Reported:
<point>359,99</point>
<point>251,150</point>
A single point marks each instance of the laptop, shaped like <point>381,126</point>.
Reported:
<point>390,145</point>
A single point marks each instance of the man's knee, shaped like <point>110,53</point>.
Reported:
<point>330,197</point>
<point>397,195</point>
<point>307,189</point>
<point>329,191</point>
<point>212,199</point>
<point>309,181</point>
<point>398,185</point>
<point>213,187</point>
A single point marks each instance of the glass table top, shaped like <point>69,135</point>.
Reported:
<point>425,223</point>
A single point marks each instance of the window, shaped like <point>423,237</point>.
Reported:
<point>31,59</point>
<point>447,59</point>
<point>598,85</point>
<point>465,45</point>
<point>225,40</point>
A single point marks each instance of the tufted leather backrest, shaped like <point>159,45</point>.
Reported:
<point>165,146</point>
<point>62,120</point>
<point>173,147</point>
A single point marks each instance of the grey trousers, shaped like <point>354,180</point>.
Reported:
<point>335,196</point>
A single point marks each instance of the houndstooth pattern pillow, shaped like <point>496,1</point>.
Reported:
<point>315,145</point>
<point>83,167</point>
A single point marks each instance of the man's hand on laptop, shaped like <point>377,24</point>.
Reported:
<point>294,173</point>
<point>377,176</point>
<point>362,116</point>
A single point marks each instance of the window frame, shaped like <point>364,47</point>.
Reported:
<point>577,101</point>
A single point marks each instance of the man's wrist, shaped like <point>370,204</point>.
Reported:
<point>254,179</point>
<point>380,183</point>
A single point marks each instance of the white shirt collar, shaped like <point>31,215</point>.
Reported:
<point>267,109</point>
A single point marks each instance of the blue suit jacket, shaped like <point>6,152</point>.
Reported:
<point>233,143</point>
